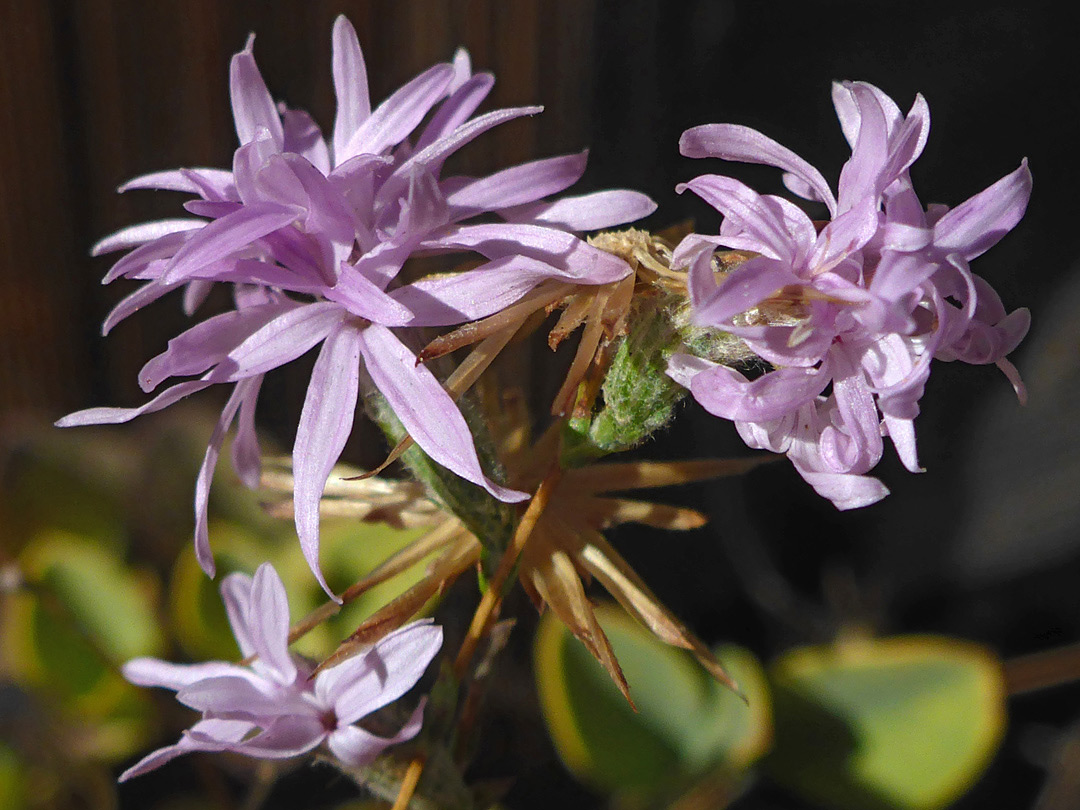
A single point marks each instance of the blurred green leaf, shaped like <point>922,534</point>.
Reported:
<point>65,635</point>
<point>686,722</point>
<point>111,604</point>
<point>12,782</point>
<point>903,723</point>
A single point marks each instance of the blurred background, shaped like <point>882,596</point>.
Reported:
<point>984,545</point>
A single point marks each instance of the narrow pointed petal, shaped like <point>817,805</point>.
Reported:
<point>325,424</point>
<point>116,416</point>
<point>227,235</point>
<point>745,145</point>
<point>206,475</point>
<point>286,737</point>
<point>195,293</point>
<point>281,341</point>
<point>367,300</point>
<point>725,392</point>
<point>350,83</point>
<point>236,596</point>
<point>746,286</point>
<point>456,110</point>
<point>452,299</point>
<point>154,672</point>
<point>243,698</point>
<point>303,137</point>
<point>588,212</point>
<point>207,343</point>
<point>253,107</point>
<point>438,151</point>
<point>268,618</point>
<point>206,735</point>
<point>588,265</point>
<point>745,207</point>
<point>846,491</point>
<point>180,180</point>
<point>246,456</point>
<point>520,184</point>
<point>141,234</point>
<point>395,118</point>
<point>861,176</point>
<point>979,223</point>
<point>426,411</point>
<point>164,247</point>
<point>130,304</point>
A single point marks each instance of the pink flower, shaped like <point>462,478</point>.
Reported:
<point>273,709</point>
<point>851,315</point>
<point>311,234</point>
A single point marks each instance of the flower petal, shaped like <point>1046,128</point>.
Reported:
<point>206,475</point>
<point>520,184</point>
<point>722,391</point>
<point>381,675</point>
<point>744,287</point>
<point>357,747</point>
<point>395,118</point>
<point>268,618</point>
<point>207,343</point>
<point>584,263</point>
<point>206,735</point>
<point>253,107</point>
<point>227,235</point>
<point>325,424</point>
<point>146,232</point>
<point>452,299</point>
<point>462,103</point>
<point>745,145</point>
<point>587,212</point>
<point>426,411</point>
<point>246,456</point>
<point>154,672</point>
<point>350,83</point>
<point>281,341</point>
<point>979,223</point>
<point>116,416</point>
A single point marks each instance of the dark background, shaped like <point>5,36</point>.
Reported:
<point>983,545</point>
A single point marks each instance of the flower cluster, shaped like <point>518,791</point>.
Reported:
<point>274,709</point>
<point>848,313</point>
<point>312,236</point>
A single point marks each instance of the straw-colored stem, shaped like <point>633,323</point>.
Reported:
<point>408,784</point>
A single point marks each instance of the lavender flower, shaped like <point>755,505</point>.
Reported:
<point>312,235</point>
<point>273,709</point>
<point>860,306</point>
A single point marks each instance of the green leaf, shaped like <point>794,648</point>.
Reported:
<point>66,635</point>
<point>903,723</point>
<point>111,605</point>
<point>686,723</point>
<point>12,780</point>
